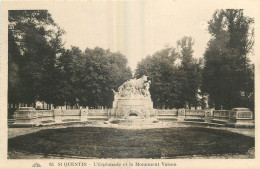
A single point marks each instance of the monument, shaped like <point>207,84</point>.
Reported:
<point>133,99</point>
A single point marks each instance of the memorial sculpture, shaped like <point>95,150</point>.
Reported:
<point>133,98</point>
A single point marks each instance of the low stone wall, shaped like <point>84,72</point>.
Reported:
<point>46,116</point>
<point>199,113</point>
<point>166,114</point>
<point>98,114</point>
<point>220,116</point>
<point>73,112</point>
<point>194,115</point>
<point>73,115</point>
<point>28,116</point>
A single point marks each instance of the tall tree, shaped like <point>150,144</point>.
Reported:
<point>228,75</point>
<point>162,71</point>
<point>71,66</point>
<point>104,71</point>
<point>41,69</point>
<point>191,74</point>
<point>33,44</point>
<point>88,77</point>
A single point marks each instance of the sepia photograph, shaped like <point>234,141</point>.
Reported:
<point>128,84</point>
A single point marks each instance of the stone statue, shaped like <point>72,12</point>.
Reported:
<point>116,94</point>
<point>133,98</point>
<point>147,86</point>
<point>134,88</point>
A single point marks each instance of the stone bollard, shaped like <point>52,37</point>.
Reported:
<point>57,116</point>
<point>181,114</point>
<point>26,116</point>
<point>84,114</point>
<point>152,113</point>
<point>208,115</point>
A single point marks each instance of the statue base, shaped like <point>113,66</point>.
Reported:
<point>127,108</point>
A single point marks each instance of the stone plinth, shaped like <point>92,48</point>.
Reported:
<point>124,108</point>
<point>26,116</point>
<point>57,116</point>
<point>84,113</point>
<point>241,116</point>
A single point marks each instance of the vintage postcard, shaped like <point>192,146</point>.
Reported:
<point>129,84</point>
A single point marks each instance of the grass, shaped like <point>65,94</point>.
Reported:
<point>119,143</point>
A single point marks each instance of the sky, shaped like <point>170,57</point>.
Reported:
<point>135,28</point>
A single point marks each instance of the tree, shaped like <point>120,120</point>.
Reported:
<point>191,74</point>
<point>228,75</point>
<point>71,69</point>
<point>104,71</point>
<point>41,69</point>
<point>14,83</point>
<point>34,43</point>
<point>173,85</point>
<point>162,71</point>
<point>88,77</point>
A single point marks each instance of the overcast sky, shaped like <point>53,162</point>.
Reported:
<point>135,28</point>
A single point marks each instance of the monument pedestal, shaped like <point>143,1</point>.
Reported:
<point>239,117</point>
<point>125,108</point>
<point>26,116</point>
<point>133,99</point>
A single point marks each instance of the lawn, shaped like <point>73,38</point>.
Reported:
<point>97,142</point>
